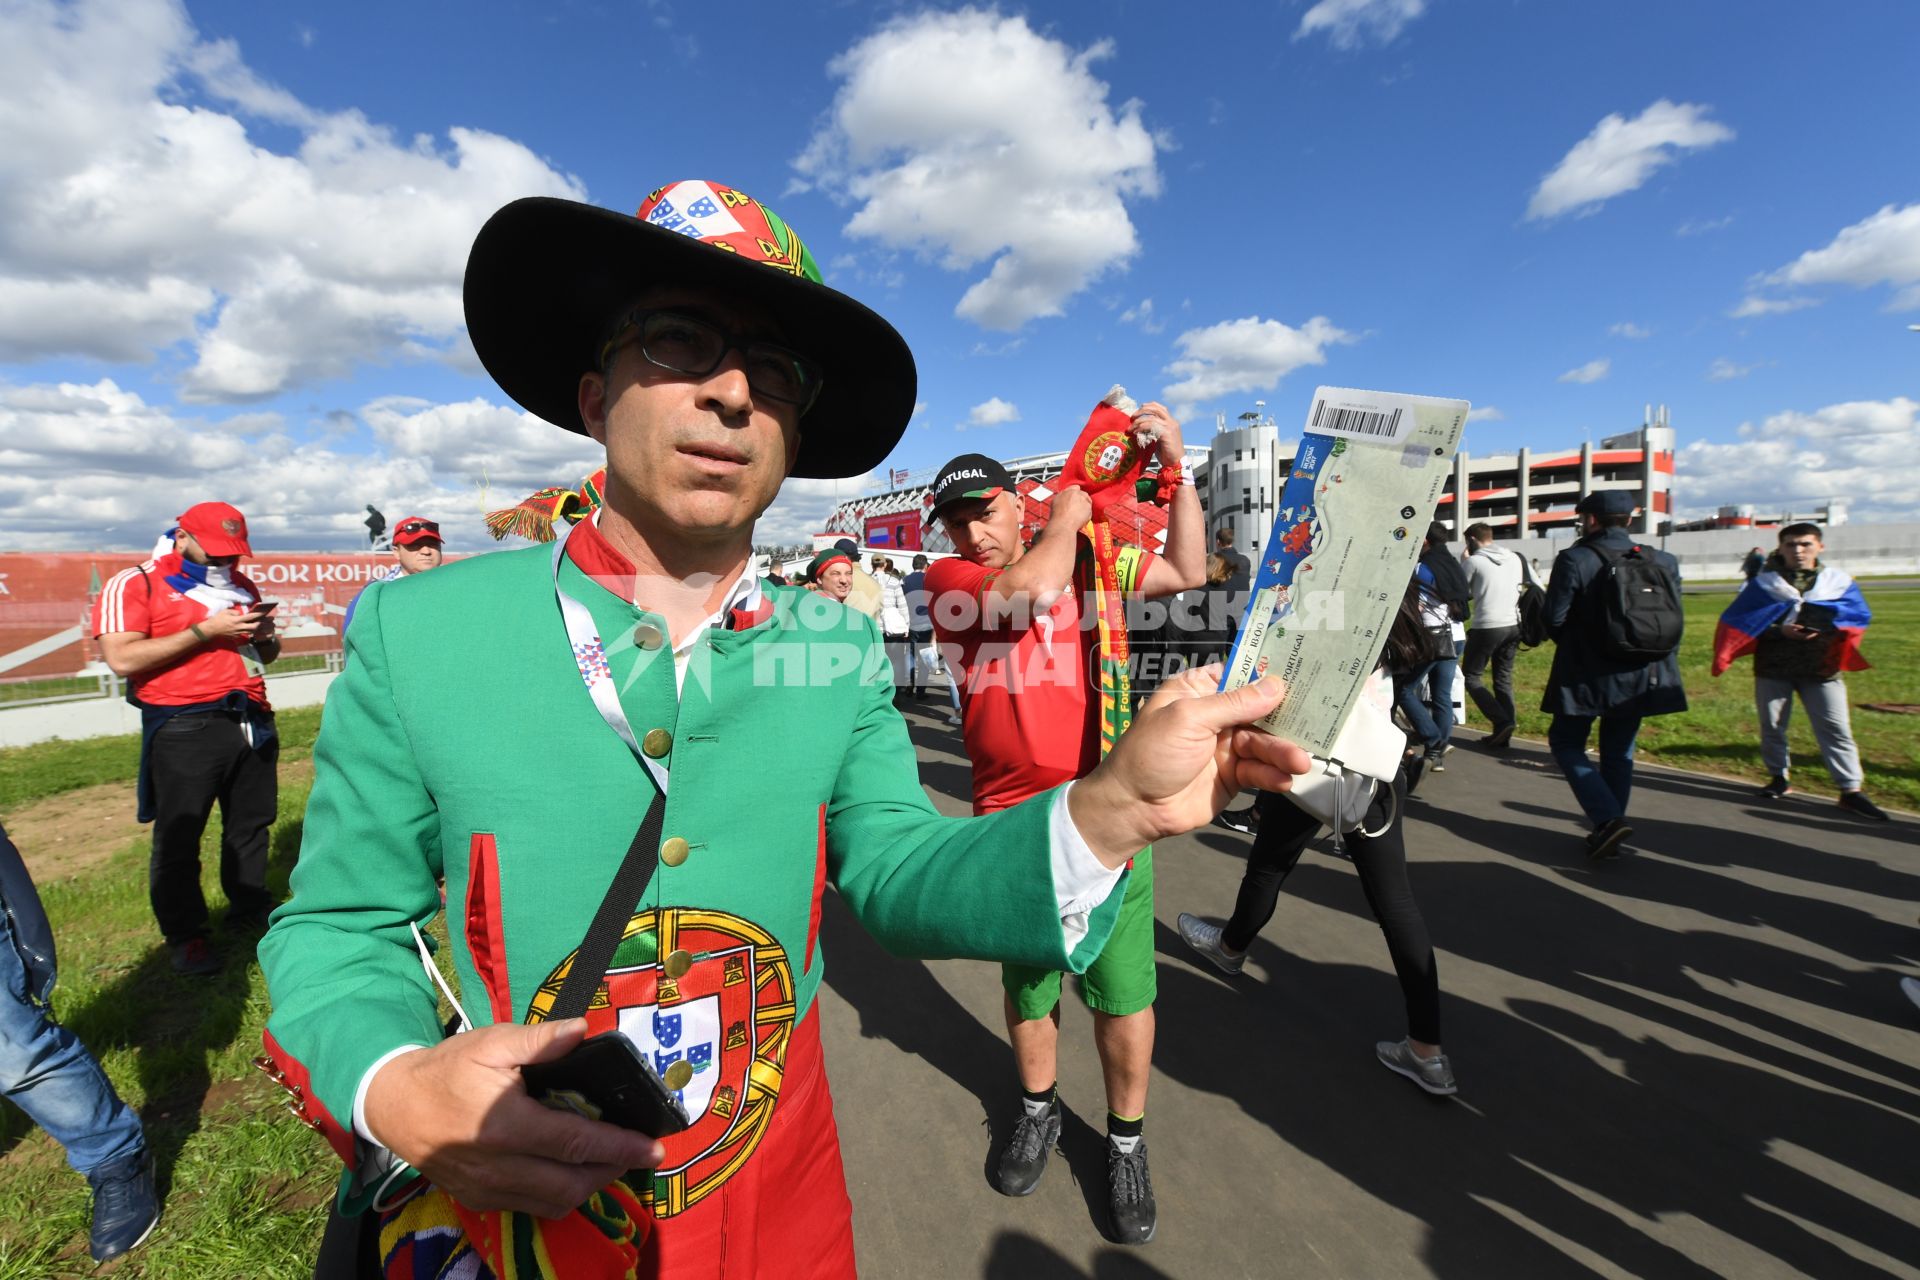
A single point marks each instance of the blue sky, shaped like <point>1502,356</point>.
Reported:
<point>231,234</point>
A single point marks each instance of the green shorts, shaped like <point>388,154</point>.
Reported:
<point>1121,980</point>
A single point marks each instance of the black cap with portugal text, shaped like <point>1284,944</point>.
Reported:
<point>971,475</point>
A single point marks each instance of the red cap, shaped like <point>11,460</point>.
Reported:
<point>415,529</point>
<point>219,529</point>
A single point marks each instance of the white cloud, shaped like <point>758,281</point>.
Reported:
<point>1701,226</point>
<point>1143,315</point>
<point>1486,413</point>
<point>1591,371</point>
<point>1628,329</point>
<point>803,506</point>
<point>1753,305</point>
<point>1883,248</point>
<point>137,211</point>
<point>88,465</point>
<point>1350,24</point>
<point>1861,451</point>
<point>1019,160</point>
<point>1238,356</point>
<point>1725,370</point>
<point>1621,154</point>
<point>992,413</point>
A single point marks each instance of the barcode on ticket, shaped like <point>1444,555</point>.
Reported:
<point>1378,426</point>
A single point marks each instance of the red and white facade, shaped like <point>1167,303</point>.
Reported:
<point>896,520</point>
<point>1532,494</point>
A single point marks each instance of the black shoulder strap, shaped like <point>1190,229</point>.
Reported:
<point>1607,555</point>
<point>609,922</point>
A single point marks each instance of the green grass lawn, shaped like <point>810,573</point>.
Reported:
<point>245,1184</point>
<point>1720,732</point>
<point>68,686</point>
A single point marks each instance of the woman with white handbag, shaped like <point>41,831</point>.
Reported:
<point>1364,813</point>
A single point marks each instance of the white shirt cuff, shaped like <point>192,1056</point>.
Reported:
<point>360,1094</point>
<point>1081,881</point>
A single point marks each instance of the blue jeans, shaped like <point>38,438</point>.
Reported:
<point>48,1073</point>
<point>1431,718</point>
<point>1602,792</point>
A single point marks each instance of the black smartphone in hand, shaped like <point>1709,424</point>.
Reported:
<point>608,1078</point>
<point>1817,617</point>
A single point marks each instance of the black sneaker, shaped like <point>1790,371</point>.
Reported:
<point>1246,821</point>
<point>125,1206</point>
<point>1130,1193</point>
<point>1025,1158</point>
<point>1857,804</point>
<point>195,957</point>
<point>1437,760</point>
<point>1606,840</point>
<point>1776,787</point>
<point>1499,738</point>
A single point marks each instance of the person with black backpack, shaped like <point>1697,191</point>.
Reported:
<point>1613,611</point>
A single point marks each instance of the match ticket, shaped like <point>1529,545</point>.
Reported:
<point>1353,511</point>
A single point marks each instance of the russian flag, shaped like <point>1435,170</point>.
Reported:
<point>1770,599</point>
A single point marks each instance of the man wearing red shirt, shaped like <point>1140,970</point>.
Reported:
<point>1017,623</point>
<point>188,632</point>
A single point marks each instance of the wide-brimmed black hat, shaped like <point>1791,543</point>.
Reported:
<point>548,278</point>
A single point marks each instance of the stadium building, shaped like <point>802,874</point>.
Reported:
<point>1241,471</point>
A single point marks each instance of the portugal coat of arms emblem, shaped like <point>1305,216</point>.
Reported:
<point>708,997</point>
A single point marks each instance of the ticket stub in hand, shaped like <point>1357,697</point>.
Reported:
<point>1354,508</point>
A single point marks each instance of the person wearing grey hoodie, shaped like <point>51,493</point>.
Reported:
<point>1494,575</point>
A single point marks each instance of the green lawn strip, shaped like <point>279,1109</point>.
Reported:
<point>246,1184</point>
<point>1720,732</point>
<point>47,769</point>
<point>52,687</point>
<point>12,691</point>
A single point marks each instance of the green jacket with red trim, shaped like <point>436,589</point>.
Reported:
<point>460,743</point>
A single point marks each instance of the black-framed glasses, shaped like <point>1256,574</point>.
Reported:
<point>418,526</point>
<point>682,344</point>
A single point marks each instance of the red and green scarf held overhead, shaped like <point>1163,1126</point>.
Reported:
<point>1109,462</point>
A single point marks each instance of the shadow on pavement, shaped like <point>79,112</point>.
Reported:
<point>1566,1129</point>
<point>902,1002</point>
<point>1502,1193</point>
<point>1021,1257</point>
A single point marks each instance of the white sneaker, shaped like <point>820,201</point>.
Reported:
<point>954,721</point>
<point>1434,1074</point>
<point>1205,939</point>
<point>1912,987</point>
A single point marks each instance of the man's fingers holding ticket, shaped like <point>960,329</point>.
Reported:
<point>1184,758</point>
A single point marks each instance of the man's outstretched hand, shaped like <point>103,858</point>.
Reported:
<point>458,1113</point>
<point>1187,754</point>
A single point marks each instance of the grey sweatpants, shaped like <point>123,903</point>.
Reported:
<point>1826,703</point>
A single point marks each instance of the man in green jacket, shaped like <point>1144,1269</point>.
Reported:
<point>639,656</point>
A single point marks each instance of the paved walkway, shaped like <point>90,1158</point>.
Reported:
<point>1693,1062</point>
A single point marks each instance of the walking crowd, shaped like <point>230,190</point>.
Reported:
<point>614,888</point>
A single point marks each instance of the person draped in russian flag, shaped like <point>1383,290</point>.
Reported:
<point>1803,622</point>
